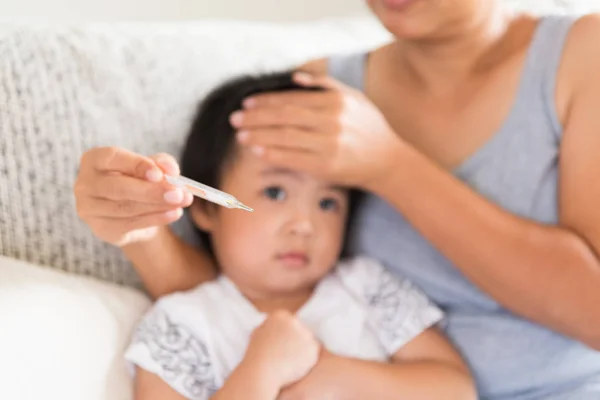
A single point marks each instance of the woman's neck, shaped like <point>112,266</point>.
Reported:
<point>441,64</point>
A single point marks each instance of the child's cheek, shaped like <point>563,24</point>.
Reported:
<point>254,227</point>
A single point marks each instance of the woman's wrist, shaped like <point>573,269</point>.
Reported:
<point>162,233</point>
<point>388,168</point>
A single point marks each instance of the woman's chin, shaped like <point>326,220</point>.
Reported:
<point>397,5</point>
<point>403,22</point>
<point>406,29</point>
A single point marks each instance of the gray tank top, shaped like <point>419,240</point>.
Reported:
<point>510,357</point>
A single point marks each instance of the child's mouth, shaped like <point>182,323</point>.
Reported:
<point>293,259</point>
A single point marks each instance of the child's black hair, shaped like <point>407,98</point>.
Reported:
<point>211,141</point>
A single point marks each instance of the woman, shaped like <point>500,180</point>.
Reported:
<point>466,114</point>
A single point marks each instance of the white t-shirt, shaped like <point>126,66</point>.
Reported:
<point>193,340</point>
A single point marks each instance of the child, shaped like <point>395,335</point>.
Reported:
<point>284,302</point>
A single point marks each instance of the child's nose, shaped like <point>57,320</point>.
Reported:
<point>302,225</point>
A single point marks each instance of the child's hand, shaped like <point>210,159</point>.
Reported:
<point>283,348</point>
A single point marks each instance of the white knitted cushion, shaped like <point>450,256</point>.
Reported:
<point>66,89</point>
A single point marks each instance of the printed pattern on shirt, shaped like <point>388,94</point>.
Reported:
<point>399,309</point>
<point>183,360</point>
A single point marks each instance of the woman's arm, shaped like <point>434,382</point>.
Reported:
<point>167,264</point>
<point>549,274</point>
<point>125,201</point>
<point>427,367</point>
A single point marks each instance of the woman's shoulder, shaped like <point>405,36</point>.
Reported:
<point>582,52</point>
<point>320,66</point>
<point>580,58</point>
<point>347,67</point>
<point>584,35</point>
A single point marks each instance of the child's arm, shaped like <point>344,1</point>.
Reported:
<point>281,351</point>
<point>244,383</point>
<point>427,367</point>
<point>149,386</point>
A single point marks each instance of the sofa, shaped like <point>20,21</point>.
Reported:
<point>68,302</point>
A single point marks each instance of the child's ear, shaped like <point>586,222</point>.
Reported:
<point>203,215</point>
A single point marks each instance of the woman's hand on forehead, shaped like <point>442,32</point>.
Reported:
<point>323,99</point>
<point>334,133</point>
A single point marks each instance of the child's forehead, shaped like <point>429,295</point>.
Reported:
<point>244,160</point>
<point>248,165</point>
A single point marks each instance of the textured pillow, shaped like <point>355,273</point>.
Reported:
<point>63,336</point>
<point>66,89</point>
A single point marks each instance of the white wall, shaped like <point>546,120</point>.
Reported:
<point>270,10</point>
<point>112,10</point>
<point>279,9</point>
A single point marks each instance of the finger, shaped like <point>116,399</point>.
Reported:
<point>188,198</point>
<point>315,100</point>
<point>289,114</point>
<point>143,221</point>
<point>125,188</point>
<point>285,138</point>
<point>167,163</point>
<point>115,159</point>
<point>104,208</point>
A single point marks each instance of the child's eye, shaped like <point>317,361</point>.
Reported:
<point>274,193</point>
<point>328,204</point>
